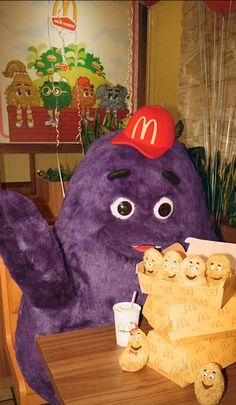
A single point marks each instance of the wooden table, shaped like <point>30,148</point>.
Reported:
<point>84,369</point>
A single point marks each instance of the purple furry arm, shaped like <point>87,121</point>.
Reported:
<point>31,252</point>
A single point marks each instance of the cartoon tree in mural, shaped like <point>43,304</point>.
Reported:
<point>50,61</point>
<point>75,55</point>
<point>47,62</point>
<point>94,64</point>
<point>35,54</point>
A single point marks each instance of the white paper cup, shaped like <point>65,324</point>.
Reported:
<point>126,316</point>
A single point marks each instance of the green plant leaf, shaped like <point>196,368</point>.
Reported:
<point>179,127</point>
<point>30,65</point>
<point>32,49</point>
<point>218,179</point>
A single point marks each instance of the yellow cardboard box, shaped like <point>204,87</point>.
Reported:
<point>179,363</point>
<point>189,319</point>
<point>176,293</point>
<point>193,325</point>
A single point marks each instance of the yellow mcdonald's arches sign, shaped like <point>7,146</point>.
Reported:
<point>64,14</point>
<point>145,125</point>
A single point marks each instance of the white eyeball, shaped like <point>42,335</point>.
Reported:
<point>163,208</point>
<point>122,208</point>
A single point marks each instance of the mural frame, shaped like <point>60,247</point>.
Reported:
<point>56,133</point>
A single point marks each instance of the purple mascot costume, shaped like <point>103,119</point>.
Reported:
<point>134,188</point>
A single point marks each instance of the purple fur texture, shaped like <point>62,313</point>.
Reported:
<point>71,276</point>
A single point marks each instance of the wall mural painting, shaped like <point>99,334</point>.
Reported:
<point>67,69</point>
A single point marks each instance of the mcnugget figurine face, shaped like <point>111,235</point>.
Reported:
<point>171,265</point>
<point>153,260</point>
<point>193,271</point>
<point>209,385</point>
<point>135,355</point>
<point>218,269</point>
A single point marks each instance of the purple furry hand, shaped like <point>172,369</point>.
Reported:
<point>31,252</point>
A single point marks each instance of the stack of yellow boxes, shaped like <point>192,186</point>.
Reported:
<point>191,325</point>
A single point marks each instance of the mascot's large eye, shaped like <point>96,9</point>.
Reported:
<point>122,208</point>
<point>28,93</point>
<point>18,92</point>
<point>163,208</point>
<point>46,91</point>
<point>57,91</point>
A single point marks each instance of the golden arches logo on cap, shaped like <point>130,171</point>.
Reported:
<point>151,131</point>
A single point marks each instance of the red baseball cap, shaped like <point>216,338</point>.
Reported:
<point>151,130</point>
<point>83,81</point>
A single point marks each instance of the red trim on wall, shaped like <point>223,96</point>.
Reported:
<point>68,125</point>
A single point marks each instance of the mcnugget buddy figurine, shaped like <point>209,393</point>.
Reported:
<point>135,355</point>
<point>209,385</point>
<point>153,260</point>
<point>171,265</point>
<point>193,271</point>
<point>218,269</point>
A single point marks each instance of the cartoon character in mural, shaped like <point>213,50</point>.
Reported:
<point>134,189</point>
<point>112,98</point>
<point>83,96</point>
<point>55,93</point>
<point>21,93</point>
